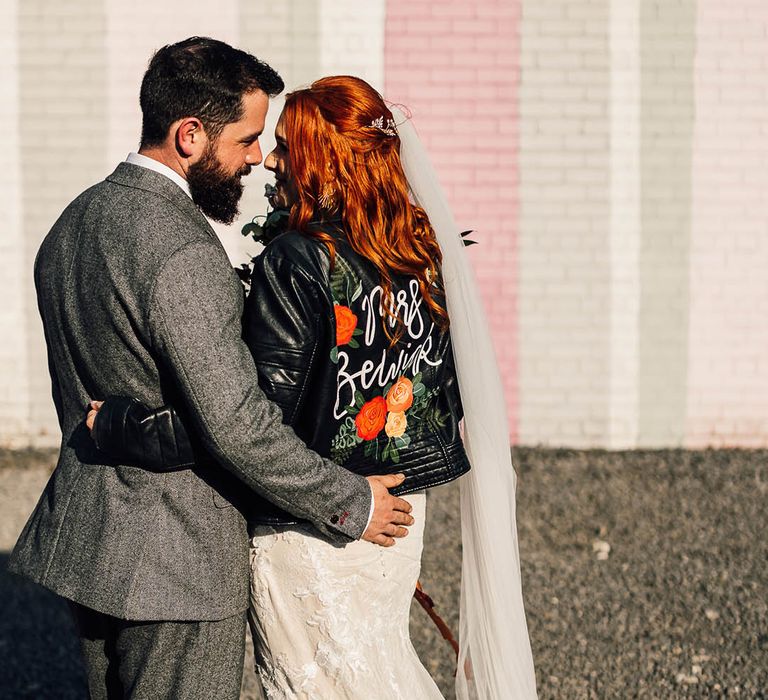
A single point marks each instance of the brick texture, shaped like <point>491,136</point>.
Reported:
<point>565,274</point>
<point>610,155</point>
<point>728,333</point>
<point>454,66</point>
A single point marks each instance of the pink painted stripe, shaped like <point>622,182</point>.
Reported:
<point>727,383</point>
<point>455,65</point>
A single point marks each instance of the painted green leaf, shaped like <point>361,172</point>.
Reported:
<point>417,379</point>
<point>394,455</point>
<point>358,331</point>
<point>359,399</point>
<point>353,343</point>
<point>358,291</point>
<point>337,283</point>
<point>335,354</point>
<point>419,389</point>
<point>403,441</point>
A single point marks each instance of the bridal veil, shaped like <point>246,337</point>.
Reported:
<point>495,661</point>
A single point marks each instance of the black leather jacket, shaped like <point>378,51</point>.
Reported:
<point>317,338</point>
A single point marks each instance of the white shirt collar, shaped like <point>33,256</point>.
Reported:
<point>158,167</point>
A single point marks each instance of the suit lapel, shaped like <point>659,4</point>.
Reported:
<point>136,177</point>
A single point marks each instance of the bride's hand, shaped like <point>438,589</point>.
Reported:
<point>390,513</point>
<point>94,408</point>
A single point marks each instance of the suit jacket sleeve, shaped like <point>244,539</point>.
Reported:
<point>195,320</point>
<point>283,328</point>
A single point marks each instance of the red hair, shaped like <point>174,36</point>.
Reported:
<point>335,150</point>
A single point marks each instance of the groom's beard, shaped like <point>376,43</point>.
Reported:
<point>216,192</point>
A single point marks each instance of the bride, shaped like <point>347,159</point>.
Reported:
<point>366,327</point>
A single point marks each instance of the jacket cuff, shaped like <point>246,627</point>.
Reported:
<point>370,512</point>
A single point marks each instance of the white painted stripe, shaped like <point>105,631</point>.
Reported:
<point>352,39</point>
<point>305,40</point>
<point>625,222</point>
<point>14,275</point>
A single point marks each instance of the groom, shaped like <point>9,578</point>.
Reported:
<point>138,298</point>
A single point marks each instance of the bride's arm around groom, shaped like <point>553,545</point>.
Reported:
<point>138,298</point>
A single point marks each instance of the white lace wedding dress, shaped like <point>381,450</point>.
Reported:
<point>331,622</point>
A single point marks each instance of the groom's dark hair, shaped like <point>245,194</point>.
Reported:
<point>203,78</point>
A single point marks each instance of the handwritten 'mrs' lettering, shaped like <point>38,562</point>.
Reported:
<point>405,304</point>
<point>414,350</point>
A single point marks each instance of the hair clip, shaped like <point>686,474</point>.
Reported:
<point>387,127</point>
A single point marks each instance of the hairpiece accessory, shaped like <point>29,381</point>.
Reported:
<point>327,199</point>
<point>387,127</point>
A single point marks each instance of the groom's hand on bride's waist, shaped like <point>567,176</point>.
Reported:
<point>390,513</point>
<point>389,517</point>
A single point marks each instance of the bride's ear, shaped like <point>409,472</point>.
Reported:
<point>190,137</point>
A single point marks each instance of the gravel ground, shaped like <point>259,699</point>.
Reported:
<point>644,575</point>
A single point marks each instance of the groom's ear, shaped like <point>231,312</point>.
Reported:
<point>190,137</point>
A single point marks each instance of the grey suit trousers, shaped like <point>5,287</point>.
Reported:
<point>153,660</point>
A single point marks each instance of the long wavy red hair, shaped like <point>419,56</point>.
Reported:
<point>335,151</point>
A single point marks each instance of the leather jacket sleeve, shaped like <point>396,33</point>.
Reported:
<point>131,433</point>
<point>282,326</point>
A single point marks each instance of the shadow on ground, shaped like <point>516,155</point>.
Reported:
<point>38,648</point>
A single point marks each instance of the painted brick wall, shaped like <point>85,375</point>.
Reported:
<point>61,134</point>
<point>565,335</point>
<point>14,380</point>
<point>455,66</point>
<point>728,334</point>
<point>610,154</point>
<point>70,113</point>
<point>667,48</point>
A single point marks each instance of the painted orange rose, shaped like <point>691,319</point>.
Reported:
<point>371,418</point>
<point>396,425</point>
<point>346,322</point>
<point>400,395</point>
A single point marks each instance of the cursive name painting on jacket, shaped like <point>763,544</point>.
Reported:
<point>415,350</point>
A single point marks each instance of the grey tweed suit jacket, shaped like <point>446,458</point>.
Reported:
<point>138,298</point>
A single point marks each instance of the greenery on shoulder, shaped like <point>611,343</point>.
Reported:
<point>346,286</point>
<point>263,228</point>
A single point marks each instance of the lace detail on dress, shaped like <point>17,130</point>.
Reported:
<point>339,653</point>
<point>259,595</point>
<point>332,622</point>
